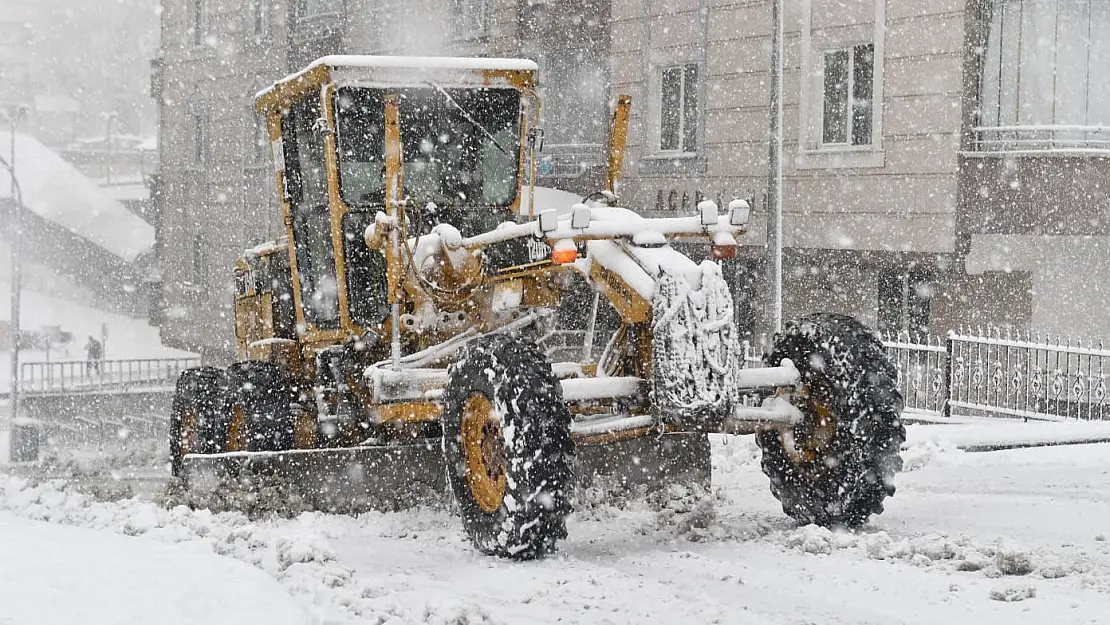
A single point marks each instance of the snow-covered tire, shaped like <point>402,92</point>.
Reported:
<point>262,393</point>
<point>196,422</point>
<point>507,448</point>
<point>836,473</point>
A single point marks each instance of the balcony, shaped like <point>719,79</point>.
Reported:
<point>570,160</point>
<point>1034,140</point>
<point>157,77</point>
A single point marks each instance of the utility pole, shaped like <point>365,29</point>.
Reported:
<point>16,269</point>
<point>774,183</point>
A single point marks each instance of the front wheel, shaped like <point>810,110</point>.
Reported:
<point>508,450</point>
<point>257,402</point>
<point>838,465</point>
<point>196,423</point>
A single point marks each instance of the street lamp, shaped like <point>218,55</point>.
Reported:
<point>109,118</point>
<point>774,183</point>
<point>16,273</point>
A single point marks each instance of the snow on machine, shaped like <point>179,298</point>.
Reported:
<point>397,339</point>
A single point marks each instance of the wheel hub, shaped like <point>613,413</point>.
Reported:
<point>483,444</point>
<point>188,440</point>
<point>236,431</point>
<point>807,443</point>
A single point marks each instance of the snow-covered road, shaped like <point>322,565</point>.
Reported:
<point>963,532</point>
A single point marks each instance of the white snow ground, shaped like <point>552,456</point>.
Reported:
<point>54,575</point>
<point>1007,537</point>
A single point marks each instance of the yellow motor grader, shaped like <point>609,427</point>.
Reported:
<point>396,339</point>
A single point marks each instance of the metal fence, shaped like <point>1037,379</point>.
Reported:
<point>1000,373</point>
<point>922,372</point>
<point>79,375</point>
<point>1050,379</point>
<point>982,373</point>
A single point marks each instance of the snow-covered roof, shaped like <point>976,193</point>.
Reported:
<point>54,190</point>
<point>420,63</point>
<point>426,62</point>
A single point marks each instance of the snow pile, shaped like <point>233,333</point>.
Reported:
<point>733,455</point>
<point>296,553</point>
<point>1013,593</point>
<point>996,560</point>
<point>919,453</point>
<point>689,510</point>
<point>55,575</point>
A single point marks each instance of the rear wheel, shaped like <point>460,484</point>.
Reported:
<point>257,402</point>
<point>837,466</point>
<point>196,424</point>
<point>508,450</point>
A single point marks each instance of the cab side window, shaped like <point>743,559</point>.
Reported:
<point>307,188</point>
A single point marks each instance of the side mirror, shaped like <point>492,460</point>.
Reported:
<point>535,139</point>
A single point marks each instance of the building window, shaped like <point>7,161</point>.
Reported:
<point>200,137</point>
<point>260,17</point>
<point>200,273</point>
<point>259,141</point>
<point>1046,75</point>
<point>904,301</point>
<point>313,8</point>
<point>848,94</point>
<point>474,18</point>
<point>196,28</point>
<point>678,112</point>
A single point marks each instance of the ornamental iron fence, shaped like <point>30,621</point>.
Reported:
<point>998,372</point>
<point>1045,378</point>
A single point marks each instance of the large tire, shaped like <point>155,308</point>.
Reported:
<point>508,449</point>
<point>257,401</point>
<point>837,467</point>
<point>196,424</point>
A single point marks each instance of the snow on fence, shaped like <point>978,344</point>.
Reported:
<point>104,375</point>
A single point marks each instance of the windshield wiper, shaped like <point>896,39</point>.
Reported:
<point>470,119</point>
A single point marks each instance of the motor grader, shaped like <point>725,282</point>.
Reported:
<point>392,340</point>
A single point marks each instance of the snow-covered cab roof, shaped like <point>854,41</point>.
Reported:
<point>398,71</point>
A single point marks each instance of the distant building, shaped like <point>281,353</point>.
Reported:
<point>74,230</point>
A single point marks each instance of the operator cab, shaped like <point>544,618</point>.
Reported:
<point>462,126</point>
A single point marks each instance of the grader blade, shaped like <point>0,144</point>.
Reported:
<point>392,477</point>
<point>347,480</point>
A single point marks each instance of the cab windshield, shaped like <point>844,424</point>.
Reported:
<point>461,150</point>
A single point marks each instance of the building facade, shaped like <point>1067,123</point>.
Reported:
<point>944,160</point>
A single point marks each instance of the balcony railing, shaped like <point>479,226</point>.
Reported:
<point>570,160</point>
<point>1042,138</point>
